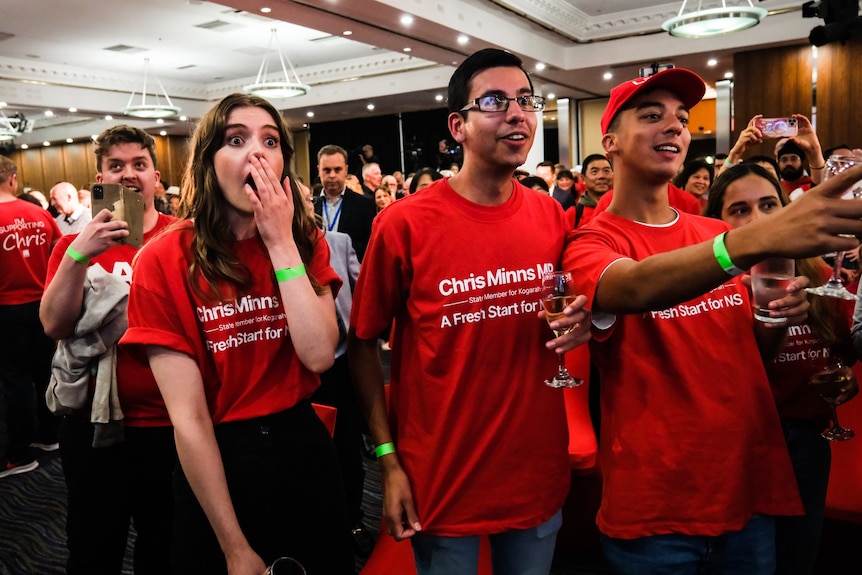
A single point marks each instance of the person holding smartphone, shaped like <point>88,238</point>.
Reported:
<point>108,480</point>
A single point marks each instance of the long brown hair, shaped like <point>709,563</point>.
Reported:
<point>823,314</point>
<point>205,204</point>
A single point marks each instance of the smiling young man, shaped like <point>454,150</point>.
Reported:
<point>107,481</point>
<point>477,443</point>
<point>693,458</point>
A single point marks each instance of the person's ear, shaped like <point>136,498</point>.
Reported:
<point>609,142</point>
<point>456,123</point>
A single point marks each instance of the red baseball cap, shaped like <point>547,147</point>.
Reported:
<point>687,85</point>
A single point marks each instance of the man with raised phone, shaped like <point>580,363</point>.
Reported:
<point>694,463</point>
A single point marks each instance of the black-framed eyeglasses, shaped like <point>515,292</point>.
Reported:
<point>498,103</point>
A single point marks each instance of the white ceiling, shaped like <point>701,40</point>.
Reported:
<point>57,53</point>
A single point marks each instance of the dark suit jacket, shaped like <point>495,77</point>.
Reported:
<point>357,214</point>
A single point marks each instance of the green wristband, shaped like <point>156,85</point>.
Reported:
<point>288,274</point>
<point>384,449</point>
<point>723,258</point>
<point>77,256</point>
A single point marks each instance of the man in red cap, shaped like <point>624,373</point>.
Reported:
<point>693,459</point>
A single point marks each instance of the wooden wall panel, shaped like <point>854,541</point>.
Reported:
<point>79,163</point>
<point>30,171</point>
<point>839,85</point>
<point>53,170</point>
<point>775,82</point>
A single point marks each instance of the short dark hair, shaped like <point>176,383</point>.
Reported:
<point>692,167</point>
<point>547,164</point>
<point>589,160</point>
<point>565,174</point>
<point>762,159</point>
<point>331,150</point>
<point>531,181</point>
<point>124,134</point>
<point>459,83</point>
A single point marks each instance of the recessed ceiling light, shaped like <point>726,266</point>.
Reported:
<point>183,118</point>
<point>310,114</point>
<point>108,118</point>
<point>94,137</point>
<point>728,75</point>
<point>160,121</point>
<point>712,62</point>
<point>3,104</point>
<point>46,143</point>
<point>608,75</point>
<point>407,19</point>
<point>370,106</point>
<point>551,95</point>
<point>163,133</point>
<point>347,32</point>
<point>49,114</point>
<point>69,140</point>
<point>25,147</point>
<point>266,10</point>
<point>73,109</point>
<point>305,125</point>
<point>439,97</point>
<point>408,49</point>
<point>463,39</point>
<point>540,66</point>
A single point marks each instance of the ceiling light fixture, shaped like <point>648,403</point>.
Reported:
<point>703,23</point>
<point>151,111</point>
<point>276,89</point>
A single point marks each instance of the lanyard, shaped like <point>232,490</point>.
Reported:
<point>330,224</point>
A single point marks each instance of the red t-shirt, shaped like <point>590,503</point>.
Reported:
<point>139,395</point>
<point>242,346</point>
<point>481,437</point>
<point>691,441</point>
<point>27,234</point>
<point>677,198</point>
<point>803,355</point>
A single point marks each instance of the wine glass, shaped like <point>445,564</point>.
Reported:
<point>834,286</point>
<point>558,291</point>
<point>285,566</point>
<point>828,383</point>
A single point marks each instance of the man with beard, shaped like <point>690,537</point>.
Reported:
<point>791,155</point>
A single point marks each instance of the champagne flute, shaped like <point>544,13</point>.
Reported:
<point>828,383</point>
<point>834,286</point>
<point>558,291</point>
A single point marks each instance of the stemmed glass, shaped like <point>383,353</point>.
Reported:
<point>834,286</point>
<point>285,566</point>
<point>558,291</point>
<point>828,383</point>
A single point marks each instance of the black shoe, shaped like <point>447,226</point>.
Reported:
<point>363,541</point>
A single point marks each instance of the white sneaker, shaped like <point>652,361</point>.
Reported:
<point>17,468</point>
<point>45,446</point>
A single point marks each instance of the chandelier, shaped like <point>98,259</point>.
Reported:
<point>156,109</point>
<point>703,23</point>
<point>276,89</point>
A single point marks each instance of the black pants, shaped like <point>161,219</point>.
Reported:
<point>286,489</point>
<point>109,485</point>
<point>25,369</point>
<point>336,389</point>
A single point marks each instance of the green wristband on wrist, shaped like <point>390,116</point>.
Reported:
<point>723,258</point>
<point>77,256</point>
<point>384,449</point>
<point>288,274</point>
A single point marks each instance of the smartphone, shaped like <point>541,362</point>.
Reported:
<point>776,127</point>
<point>125,204</point>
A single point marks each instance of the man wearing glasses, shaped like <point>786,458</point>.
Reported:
<point>475,443</point>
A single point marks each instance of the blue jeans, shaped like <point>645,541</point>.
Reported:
<point>522,552</point>
<point>747,552</point>
<point>797,539</point>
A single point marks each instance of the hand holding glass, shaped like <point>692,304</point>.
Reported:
<point>769,281</point>
<point>558,291</point>
<point>828,383</point>
<point>834,287</point>
<point>285,566</point>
